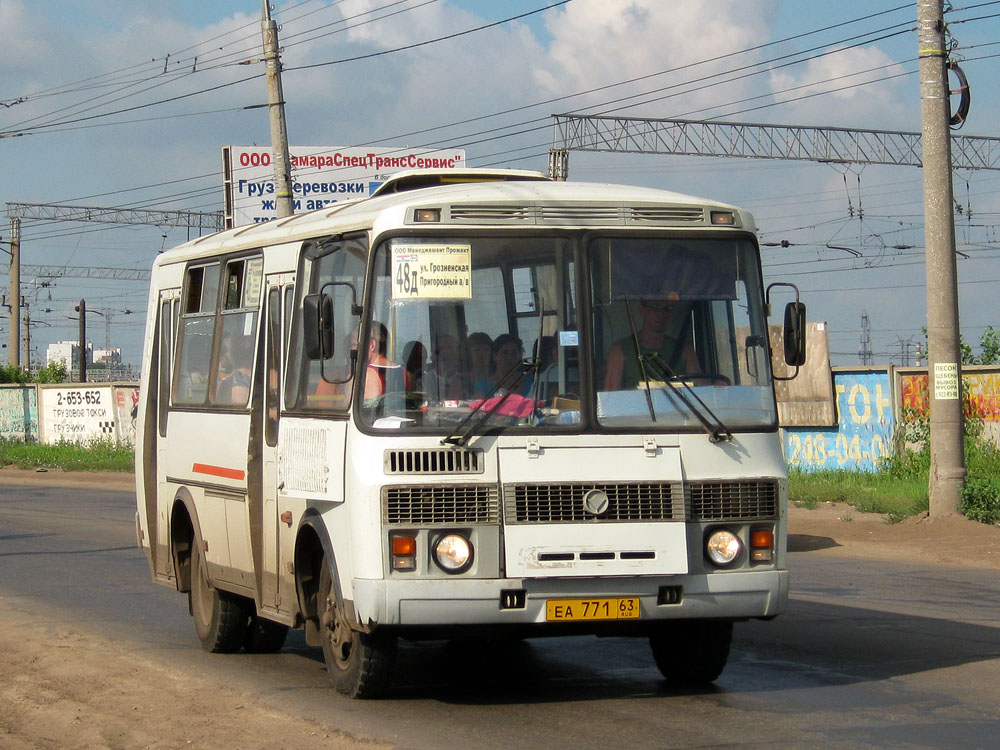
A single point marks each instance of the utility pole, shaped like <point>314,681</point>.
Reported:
<point>947,470</point>
<point>82,309</point>
<point>14,343</point>
<point>276,110</point>
<point>27,338</point>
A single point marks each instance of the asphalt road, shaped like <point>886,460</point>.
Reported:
<point>870,654</point>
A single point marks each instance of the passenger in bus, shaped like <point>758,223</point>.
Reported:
<point>380,371</point>
<point>235,365</point>
<point>415,363</point>
<point>660,343</point>
<point>508,355</point>
<point>480,348</point>
<point>445,379</point>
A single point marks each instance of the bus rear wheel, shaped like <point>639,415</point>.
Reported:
<point>692,652</point>
<point>220,618</point>
<point>360,664</point>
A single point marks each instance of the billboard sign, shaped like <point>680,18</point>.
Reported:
<point>321,175</point>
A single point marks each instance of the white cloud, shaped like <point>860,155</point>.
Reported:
<point>856,82</point>
<point>596,43</point>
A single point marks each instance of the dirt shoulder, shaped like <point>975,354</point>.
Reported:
<point>65,688</point>
<point>838,530</point>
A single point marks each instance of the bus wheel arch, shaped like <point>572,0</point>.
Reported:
<point>359,660</point>
<point>183,532</point>
<point>308,560</point>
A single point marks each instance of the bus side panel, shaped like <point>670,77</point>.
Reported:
<point>310,466</point>
<point>214,468</point>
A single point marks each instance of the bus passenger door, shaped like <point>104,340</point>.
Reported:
<point>278,287</point>
<point>158,500</point>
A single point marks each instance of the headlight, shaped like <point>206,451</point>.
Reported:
<point>453,553</point>
<point>723,547</point>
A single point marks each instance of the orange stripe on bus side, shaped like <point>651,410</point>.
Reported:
<point>218,471</point>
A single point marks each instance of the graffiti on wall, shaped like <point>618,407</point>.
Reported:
<point>126,411</point>
<point>980,394</point>
<point>865,426</point>
<point>18,413</point>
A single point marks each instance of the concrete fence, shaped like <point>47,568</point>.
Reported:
<point>869,403</point>
<point>69,412</point>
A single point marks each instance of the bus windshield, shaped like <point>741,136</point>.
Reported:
<point>472,327</point>
<point>474,333</point>
<point>678,333</point>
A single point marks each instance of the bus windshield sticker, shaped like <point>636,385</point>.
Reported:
<point>569,338</point>
<point>252,283</point>
<point>431,271</point>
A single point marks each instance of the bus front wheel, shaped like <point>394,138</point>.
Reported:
<point>360,664</point>
<point>220,618</point>
<point>691,652</point>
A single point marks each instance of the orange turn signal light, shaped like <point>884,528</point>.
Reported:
<point>761,545</point>
<point>404,546</point>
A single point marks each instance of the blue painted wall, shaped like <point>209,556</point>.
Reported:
<point>864,432</point>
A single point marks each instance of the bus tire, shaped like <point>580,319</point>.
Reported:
<point>264,636</point>
<point>359,664</point>
<point>220,618</point>
<point>691,652</point>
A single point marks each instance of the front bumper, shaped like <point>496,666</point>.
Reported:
<point>448,602</point>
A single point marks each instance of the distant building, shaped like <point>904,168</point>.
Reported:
<point>68,352</point>
<point>109,357</point>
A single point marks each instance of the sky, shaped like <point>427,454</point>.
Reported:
<point>128,103</point>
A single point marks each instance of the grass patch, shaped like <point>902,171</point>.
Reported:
<point>867,491</point>
<point>95,456</point>
<point>899,488</point>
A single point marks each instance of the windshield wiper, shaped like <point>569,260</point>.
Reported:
<point>718,432</point>
<point>456,437</point>
<point>640,360</point>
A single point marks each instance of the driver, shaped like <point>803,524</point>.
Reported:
<point>660,344</point>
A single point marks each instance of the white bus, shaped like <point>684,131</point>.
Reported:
<point>475,404</point>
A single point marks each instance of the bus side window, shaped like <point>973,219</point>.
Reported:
<point>335,267</point>
<point>241,298</point>
<point>197,335</point>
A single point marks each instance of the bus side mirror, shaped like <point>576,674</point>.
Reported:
<point>795,334</point>
<point>317,326</point>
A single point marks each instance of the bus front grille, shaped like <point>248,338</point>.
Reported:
<point>440,504</point>
<point>732,501</point>
<point>567,503</point>
<point>433,461</point>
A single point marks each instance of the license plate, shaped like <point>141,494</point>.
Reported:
<point>572,610</point>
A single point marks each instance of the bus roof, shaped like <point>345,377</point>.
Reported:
<point>511,198</point>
